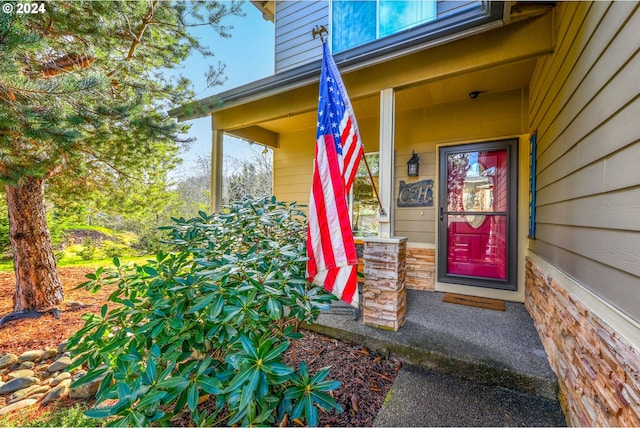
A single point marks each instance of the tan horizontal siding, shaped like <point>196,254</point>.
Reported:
<point>615,248</point>
<point>421,237</point>
<point>547,82</point>
<point>293,165</point>
<point>585,106</point>
<point>613,285</point>
<point>613,210</point>
<point>586,114</point>
<point>624,124</point>
<point>617,171</point>
<point>413,214</point>
<point>576,101</point>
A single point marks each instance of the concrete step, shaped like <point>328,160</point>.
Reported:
<point>489,347</point>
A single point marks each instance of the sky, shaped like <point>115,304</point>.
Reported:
<point>248,55</point>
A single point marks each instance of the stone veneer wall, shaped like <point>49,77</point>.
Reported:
<point>421,269</point>
<point>598,371</point>
<point>384,297</point>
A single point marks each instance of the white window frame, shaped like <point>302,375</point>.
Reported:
<point>378,36</point>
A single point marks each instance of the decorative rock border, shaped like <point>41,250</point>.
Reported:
<point>39,377</point>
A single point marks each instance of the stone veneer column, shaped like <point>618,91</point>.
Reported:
<point>384,298</point>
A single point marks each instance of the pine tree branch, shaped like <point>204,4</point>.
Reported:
<point>99,159</point>
<point>146,21</point>
<point>87,85</point>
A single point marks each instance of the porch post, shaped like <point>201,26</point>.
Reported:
<point>216,168</point>
<point>384,296</point>
<point>385,178</point>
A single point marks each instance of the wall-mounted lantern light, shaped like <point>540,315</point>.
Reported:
<point>413,165</point>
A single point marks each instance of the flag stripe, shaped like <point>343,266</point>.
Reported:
<point>341,227</point>
<point>312,269</point>
<point>351,293</point>
<point>326,223</point>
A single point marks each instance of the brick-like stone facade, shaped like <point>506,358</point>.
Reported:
<point>384,297</point>
<point>598,371</point>
<point>421,269</point>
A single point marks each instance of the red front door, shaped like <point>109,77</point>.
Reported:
<point>477,214</point>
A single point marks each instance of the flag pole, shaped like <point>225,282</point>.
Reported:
<point>320,31</point>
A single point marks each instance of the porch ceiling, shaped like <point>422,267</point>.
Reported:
<point>496,79</point>
<point>454,88</point>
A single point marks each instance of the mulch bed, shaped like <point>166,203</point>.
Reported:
<point>365,375</point>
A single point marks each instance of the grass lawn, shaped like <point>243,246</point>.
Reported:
<point>7,265</point>
<point>56,416</point>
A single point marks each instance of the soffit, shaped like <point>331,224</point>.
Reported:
<point>267,7</point>
<point>446,90</point>
<point>496,79</point>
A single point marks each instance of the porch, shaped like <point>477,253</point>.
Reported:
<point>481,345</point>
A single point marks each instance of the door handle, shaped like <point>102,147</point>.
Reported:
<point>441,213</point>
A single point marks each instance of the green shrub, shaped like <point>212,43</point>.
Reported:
<point>87,250</point>
<point>215,318</point>
<point>112,249</point>
<point>151,240</point>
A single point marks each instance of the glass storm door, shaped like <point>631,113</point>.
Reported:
<point>477,214</point>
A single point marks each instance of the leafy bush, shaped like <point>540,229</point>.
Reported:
<point>87,249</point>
<point>215,318</point>
<point>112,249</point>
<point>151,240</point>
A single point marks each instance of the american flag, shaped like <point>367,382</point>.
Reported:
<point>333,262</point>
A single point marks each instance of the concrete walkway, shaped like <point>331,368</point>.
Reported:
<point>463,366</point>
<point>422,398</point>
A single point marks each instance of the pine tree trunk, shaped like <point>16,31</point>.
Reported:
<point>37,283</point>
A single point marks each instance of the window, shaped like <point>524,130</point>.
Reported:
<point>356,22</point>
<point>364,204</point>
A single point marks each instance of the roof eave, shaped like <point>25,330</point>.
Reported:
<point>309,73</point>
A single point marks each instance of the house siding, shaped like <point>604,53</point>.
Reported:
<point>294,20</point>
<point>294,43</point>
<point>585,106</point>
<point>583,270</point>
<point>293,161</point>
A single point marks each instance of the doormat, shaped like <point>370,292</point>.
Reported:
<point>478,302</point>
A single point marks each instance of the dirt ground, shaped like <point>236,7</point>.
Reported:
<point>366,377</point>
<point>23,335</point>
